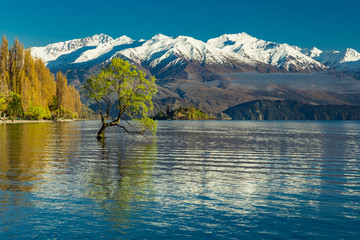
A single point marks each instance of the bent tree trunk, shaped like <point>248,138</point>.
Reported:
<point>101,133</point>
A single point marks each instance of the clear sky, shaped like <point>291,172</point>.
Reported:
<point>326,24</point>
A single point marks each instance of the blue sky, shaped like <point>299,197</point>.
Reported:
<point>326,24</point>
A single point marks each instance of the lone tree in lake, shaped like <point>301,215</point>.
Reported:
<point>121,85</point>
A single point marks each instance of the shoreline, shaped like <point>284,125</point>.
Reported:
<point>35,121</point>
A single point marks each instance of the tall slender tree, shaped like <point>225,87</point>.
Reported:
<point>28,87</point>
<point>77,102</point>
<point>16,71</point>
<point>61,87</point>
<point>4,71</point>
<point>47,83</point>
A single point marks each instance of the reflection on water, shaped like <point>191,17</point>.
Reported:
<point>27,152</point>
<point>219,180</point>
<point>121,184</point>
<point>18,156</point>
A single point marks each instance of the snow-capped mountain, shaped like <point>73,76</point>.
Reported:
<point>103,48</point>
<point>313,52</point>
<point>334,58</point>
<point>166,56</point>
<point>53,51</point>
<point>347,60</point>
<point>185,57</point>
<point>212,74</point>
<point>230,53</point>
<point>162,56</point>
<point>281,56</point>
<point>160,48</point>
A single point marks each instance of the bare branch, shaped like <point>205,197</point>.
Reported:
<point>127,122</point>
<point>114,122</point>
<point>130,132</point>
<point>108,105</point>
<point>100,110</point>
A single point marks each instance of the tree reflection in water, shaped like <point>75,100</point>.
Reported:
<point>122,184</point>
<point>26,154</point>
<point>22,152</point>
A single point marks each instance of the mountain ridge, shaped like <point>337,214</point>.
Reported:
<point>246,47</point>
<point>210,74</point>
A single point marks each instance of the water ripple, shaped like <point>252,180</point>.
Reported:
<point>218,180</point>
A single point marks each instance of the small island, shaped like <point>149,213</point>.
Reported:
<point>183,113</point>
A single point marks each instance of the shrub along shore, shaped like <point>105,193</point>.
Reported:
<point>12,121</point>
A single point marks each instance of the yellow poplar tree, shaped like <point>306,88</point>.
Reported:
<point>47,83</point>
<point>4,63</point>
<point>77,102</point>
<point>4,75</point>
<point>27,85</point>
<point>61,87</point>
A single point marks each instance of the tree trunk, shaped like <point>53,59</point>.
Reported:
<point>101,133</point>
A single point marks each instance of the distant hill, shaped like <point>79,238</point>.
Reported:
<point>291,110</point>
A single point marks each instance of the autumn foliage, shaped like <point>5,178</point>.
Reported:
<point>28,89</point>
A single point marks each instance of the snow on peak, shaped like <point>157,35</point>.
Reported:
<point>97,39</point>
<point>312,53</point>
<point>339,59</point>
<point>160,37</point>
<point>297,48</point>
<point>156,49</point>
<point>280,55</point>
<point>163,49</point>
<point>168,51</point>
<point>103,48</point>
<point>124,39</point>
<point>230,39</point>
<point>53,51</point>
<point>350,55</point>
<point>315,52</point>
<point>238,36</point>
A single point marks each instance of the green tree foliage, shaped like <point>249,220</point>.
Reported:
<point>15,107</point>
<point>3,104</point>
<point>38,112</point>
<point>121,85</point>
<point>33,84</point>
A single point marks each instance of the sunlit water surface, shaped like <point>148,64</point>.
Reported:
<point>198,180</point>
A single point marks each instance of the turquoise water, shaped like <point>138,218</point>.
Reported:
<point>198,180</point>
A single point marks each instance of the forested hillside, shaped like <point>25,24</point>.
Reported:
<point>291,110</point>
<point>28,89</point>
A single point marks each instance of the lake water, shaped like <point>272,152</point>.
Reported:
<point>198,180</point>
